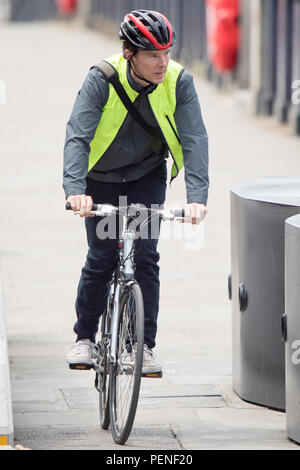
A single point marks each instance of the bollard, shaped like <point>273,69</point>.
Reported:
<point>291,326</point>
<point>268,58</point>
<point>284,63</point>
<point>294,116</point>
<point>243,64</point>
<point>258,212</point>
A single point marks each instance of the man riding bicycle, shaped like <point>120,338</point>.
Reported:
<point>108,154</point>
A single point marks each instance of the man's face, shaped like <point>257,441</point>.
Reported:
<point>151,65</point>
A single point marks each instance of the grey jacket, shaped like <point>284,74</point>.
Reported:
<point>134,152</point>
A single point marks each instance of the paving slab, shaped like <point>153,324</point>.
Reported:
<point>91,438</point>
<point>239,429</point>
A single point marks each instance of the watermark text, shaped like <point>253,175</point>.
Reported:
<point>296,93</point>
<point>148,223</point>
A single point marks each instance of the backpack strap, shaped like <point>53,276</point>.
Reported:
<point>110,74</point>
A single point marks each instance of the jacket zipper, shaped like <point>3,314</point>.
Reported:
<point>177,137</point>
<point>172,178</point>
<point>172,127</point>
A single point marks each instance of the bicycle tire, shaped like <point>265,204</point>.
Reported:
<point>131,327</point>
<point>103,378</point>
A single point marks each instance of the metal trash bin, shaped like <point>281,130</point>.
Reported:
<point>256,286</point>
<point>291,326</point>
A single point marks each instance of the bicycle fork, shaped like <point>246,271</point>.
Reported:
<point>115,326</point>
<point>127,272</point>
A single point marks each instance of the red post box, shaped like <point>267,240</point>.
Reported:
<point>223,35</point>
<point>66,7</point>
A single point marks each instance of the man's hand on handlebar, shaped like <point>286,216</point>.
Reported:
<point>194,213</point>
<point>82,204</point>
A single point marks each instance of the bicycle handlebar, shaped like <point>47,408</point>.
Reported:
<point>106,209</point>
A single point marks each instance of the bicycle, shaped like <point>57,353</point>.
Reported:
<point>119,364</point>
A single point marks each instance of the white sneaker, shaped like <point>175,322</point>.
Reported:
<point>150,366</point>
<point>82,353</point>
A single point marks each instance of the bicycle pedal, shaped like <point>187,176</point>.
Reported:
<point>80,367</point>
<point>155,375</point>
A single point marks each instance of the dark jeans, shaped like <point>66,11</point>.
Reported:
<point>102,255</point>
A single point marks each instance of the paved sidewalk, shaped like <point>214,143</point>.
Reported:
<point>42,250</point>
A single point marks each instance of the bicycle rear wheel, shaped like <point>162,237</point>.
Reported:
<point>125,376</point>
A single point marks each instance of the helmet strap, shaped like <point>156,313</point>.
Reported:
<point>138,76</point>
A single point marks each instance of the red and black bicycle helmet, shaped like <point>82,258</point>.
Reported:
<point>147,30</point>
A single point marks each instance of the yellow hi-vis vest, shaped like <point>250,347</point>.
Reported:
<point>163,103</point>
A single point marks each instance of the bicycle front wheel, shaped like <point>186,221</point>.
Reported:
<point>125,375</point>
<point>102,378</point>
